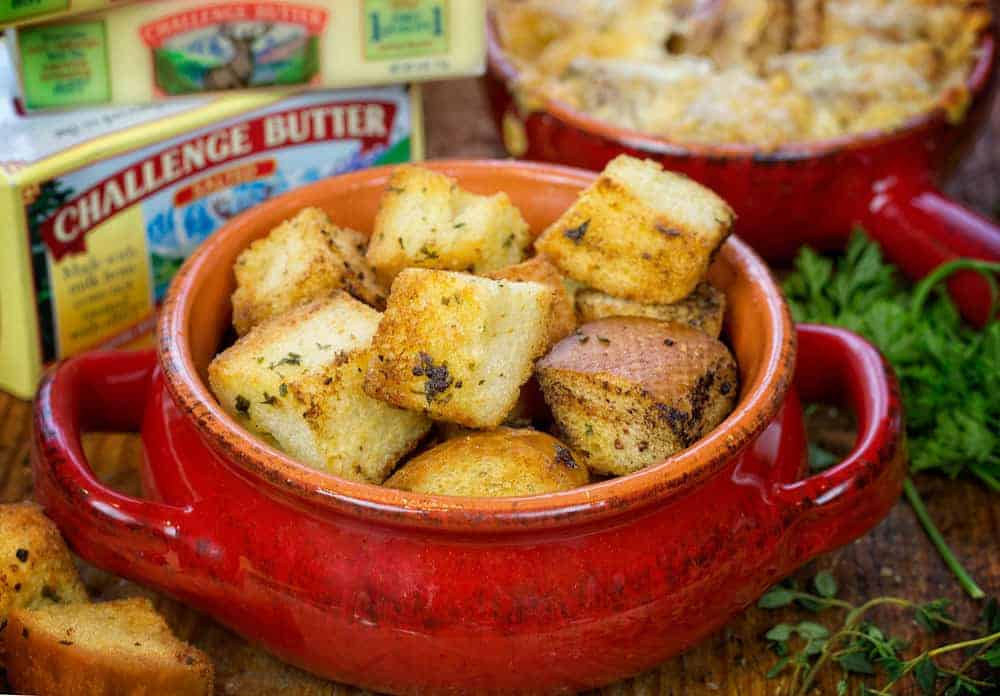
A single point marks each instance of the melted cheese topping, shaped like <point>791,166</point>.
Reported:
<point>760,72</point>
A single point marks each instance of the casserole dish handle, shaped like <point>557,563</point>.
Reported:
<point>101,391</point>
<point>835,506</point>
<point>920,228</point>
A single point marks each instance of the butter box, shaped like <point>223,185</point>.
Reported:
<point>17,12</point>
<point>153,49</point>
<point>100,207</point>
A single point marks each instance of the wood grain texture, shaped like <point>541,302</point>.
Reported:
<point>895,558</point>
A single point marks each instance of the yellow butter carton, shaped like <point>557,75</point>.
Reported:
<point>166,48</point>
<point>100,207</point>
<point>20,12</point>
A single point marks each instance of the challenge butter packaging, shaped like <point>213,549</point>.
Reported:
<point>151,49</point>
<point>100,207</point>
<point>15,12</point>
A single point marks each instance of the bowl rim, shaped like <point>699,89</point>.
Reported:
<point>254,459</point>
<point>977,81</point>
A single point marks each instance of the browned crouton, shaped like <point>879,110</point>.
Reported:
<point>458,347</point>
<point>426,220</point>
<point>297,379</point>
<point>302,259</point>
<point>540,270</point>
<point>109,648</point>
<point>703,309</point>
<point>628,392</point>
<point>503,462</point>
<point>639,233</point>
<point>36,568</point>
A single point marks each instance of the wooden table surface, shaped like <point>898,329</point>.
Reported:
<point>895,558</point>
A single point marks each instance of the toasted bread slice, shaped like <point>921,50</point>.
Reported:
<point>628,392</point>
<point>503,462</point>
<point>539,269</point>
<point>36,568</point>
<point>703,309</point>
<point>302,259</point>
<point>639,233</point>
<point>298,379</point>
<point>113,648</point>
<point>458,347</point>
<point>425,220</point>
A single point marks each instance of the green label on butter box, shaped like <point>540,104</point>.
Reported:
<point>18,9</point>
<point>405,28</point>
<point>65,64</point>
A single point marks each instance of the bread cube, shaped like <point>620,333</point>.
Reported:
<point>496,463</point>
<point>297,380</point>
<point>540,270</point>
<point>36,568</point>
<point>639,233</point>
<point>425,220</point>
<point>628,392</point>
<point>703,309</point>
<point>119,647</point>
<point>302,259</point>
<point>458,347</point>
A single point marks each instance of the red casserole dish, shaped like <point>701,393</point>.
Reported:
<point>799,194</point>
<point>411,593</point>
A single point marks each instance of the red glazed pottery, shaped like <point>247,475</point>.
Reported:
<point>812,193</point>
<point>415,594</point>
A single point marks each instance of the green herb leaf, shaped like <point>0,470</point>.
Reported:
<point>812,630</point>
<point>825,585</point>
<point>857,663</point>
<point>992,656</point>
<point>925,672</point>
<point>777,668</point>
<point>776,597</point>
<point>820,459</point>
<point>780,632</point>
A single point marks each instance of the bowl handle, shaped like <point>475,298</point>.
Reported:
<point>920,228</point>
<point>835,506</point>
<point>100,391</point>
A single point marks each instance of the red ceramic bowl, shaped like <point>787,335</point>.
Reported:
<point>811,193</point>
<point>411,593</point>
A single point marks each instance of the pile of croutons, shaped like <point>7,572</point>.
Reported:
<point>350,350</point>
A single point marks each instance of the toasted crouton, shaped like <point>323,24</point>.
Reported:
<point>36,568</point>
<point>628,392</point>
<point>540,270</point>
<point>298,379</point>
<point>639,233</point>
<point>301,260</point>
<point>703,309</point>
<point>109,648</point>
<point>426,220</point>
<point>458,347</point>
<point>503,462</point>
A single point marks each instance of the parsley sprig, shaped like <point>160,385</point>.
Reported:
<point>949,373</point>
<point>860,647</point>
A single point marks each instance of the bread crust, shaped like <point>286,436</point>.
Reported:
<point>639,233</point>
<point>43,660</point>
<point>704,309</point>
<point>502,462</point>
<point>628,392</point>
<point>36,568</point>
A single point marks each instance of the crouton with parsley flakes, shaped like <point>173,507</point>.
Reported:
<point>639,233</point>
<point>628,392</point>
<point>297,380</point>
<point>703,309</point>
<point>302,259</point>
<point>458,347</point>
<point>426,220</point>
